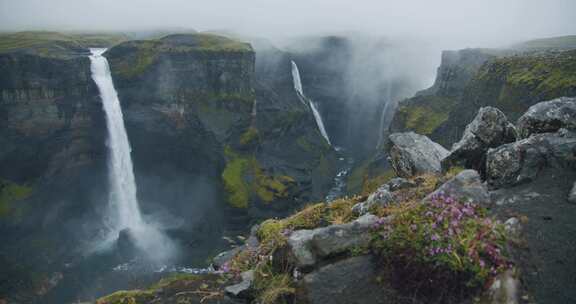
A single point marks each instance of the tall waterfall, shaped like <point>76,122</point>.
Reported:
<point>305,100</point>
<point>123,203</point>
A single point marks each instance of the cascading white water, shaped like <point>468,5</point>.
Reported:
<point>124,212</point>
<point>297,82</point>
<point>389,103</point>
<point>300,92</point>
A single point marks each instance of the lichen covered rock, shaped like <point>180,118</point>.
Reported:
<point>548,116</point>
<point>522,161</point>
<point>412,154</point>
<point>307,246</point>
<point>466,186</point>
<point>489,129</point>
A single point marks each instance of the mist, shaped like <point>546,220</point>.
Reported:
<point>451,23</point>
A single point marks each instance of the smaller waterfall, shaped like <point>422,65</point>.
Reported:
<point>297,82</point>
<point>305,100</point>
<point>387,106</point>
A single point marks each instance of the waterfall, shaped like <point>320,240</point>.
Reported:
<point>305,100</point>
<point>297,82</point>
<point>389,103</point>
<point>123,203</point>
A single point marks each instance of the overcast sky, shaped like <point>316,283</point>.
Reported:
<point>465,22</point>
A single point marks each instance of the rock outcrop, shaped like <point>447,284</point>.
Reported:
<point>466,186</point>
<point>308,246</point>
<point>383,196</point>
<point>548,116</point>
<point>353,280</point>
<point>489,129</point>
<point>524,160</point>
<point>412,154</point>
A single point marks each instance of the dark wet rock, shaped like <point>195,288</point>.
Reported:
<point>546,257</point>
<point>572,195</point>
<point>353,280</point>
<point>308,246</point>
<point>244,288</point>
<point>412,154</point>
<point>467,186</point>
<point>224,257</point>
<point>522,161</point>
<point>126,243</point>
<point>548,116</point>
<point>489,129</point>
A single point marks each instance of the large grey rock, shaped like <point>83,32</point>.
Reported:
<point>504,289</point>
<point>351,281</point>
<point>548,116</point>
<point>224,257</point>
<point>489,129</point>
<point>572,195</point>
<point>412,154</point>
<point>523,160</point>
<point>381,197</point>
<point>306,247</point>
<point>242,289</point>
<point>466,186</point>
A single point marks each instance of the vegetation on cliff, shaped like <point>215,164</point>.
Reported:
<point>447,242</point>
<point>512,82</point>
<point>10,193</point>
<point>54,44</point>
<point>245,180</point>
<point>141,54</point>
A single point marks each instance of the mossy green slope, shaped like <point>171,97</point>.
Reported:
<point>10,194</point>
<point>511,83</point>
<point>56,44</point>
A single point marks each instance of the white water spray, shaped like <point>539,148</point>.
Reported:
<point>387,106</point>
<point>305,100</point>
<point>124,210</point>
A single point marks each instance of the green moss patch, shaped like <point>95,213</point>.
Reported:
<point>250,136</point>
<point>54,44</point>
<point>514,83</point>
<point>424,114</point>
<point>244,179</point>
<point>11,193</point>
<point>178,288</point>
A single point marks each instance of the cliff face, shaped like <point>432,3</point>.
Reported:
<point>469,79</point>
<point>193,106</point>
<point>212,148</point>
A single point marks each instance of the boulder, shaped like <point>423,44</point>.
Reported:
<point>572,195</point>
<point>412,154</point>
<point>504,289</point>
<point>353,280</point>
<point>381,197</point>
<point>224,257</point>
<point>244,288</point>
<point>467,186</point>
<point>306,247</point>
<point>548,116</point>
<point>523,160</point>
<point>489,129</point>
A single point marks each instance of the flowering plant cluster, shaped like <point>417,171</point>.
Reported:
<point>446,240</point>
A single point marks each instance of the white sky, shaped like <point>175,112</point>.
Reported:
<point>460,23</point>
